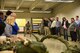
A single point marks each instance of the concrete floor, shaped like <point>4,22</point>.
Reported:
<point>53,45</point>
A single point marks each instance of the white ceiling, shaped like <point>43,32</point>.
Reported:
<point>17,4</point>
<point>28,5</point>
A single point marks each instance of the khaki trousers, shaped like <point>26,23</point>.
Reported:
<point>47,31</point>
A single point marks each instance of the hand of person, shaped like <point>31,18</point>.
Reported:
<point>65,28</point>
<point>79,27</point>
<point>74,30</point>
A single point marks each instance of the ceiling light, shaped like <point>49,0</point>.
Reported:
<point>40,11</point>
<point>12,10</point>
<point>29,0</point>
<point>59,1</point>
<point>17,11</point>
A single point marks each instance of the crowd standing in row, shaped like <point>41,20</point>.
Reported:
<point>53,26</point>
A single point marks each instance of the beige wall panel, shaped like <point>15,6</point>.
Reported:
<point>33,15</point>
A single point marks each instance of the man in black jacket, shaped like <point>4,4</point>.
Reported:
<point>46,26</point>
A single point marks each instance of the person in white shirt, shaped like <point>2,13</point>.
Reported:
<point>53,27</point>
<point>51,20</point>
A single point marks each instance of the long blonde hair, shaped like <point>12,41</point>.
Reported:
<point>11,19</point>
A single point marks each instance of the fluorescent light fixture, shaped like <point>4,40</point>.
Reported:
<point>12,10</point>
<point>40,11</point>
<point>17,11</point>
<point>3,10</point>
<point>68,1</point>
<point>29,0</point>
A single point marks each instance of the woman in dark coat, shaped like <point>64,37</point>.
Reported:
<point>65,26</point>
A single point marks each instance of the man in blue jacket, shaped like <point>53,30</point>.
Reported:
<point>2,24</point>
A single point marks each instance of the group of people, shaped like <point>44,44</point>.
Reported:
<point>8,26</point>
<point>53,26</point>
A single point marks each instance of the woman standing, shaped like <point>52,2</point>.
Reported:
<point>72,29</point>
<point>15,27</point>
<point>65,25</point>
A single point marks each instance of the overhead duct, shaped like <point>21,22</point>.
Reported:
<point>40,11</point>
<point>67,1</point>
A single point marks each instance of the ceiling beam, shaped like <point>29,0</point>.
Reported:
<point>2,4</point>
<point>35,4</point>
<point>49,5</point>
<point>19,4</point>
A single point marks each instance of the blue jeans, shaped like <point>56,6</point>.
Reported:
<point>65,34</point>
<point>58,30</point>
<point>78,34</point>
<point>73,35</point>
